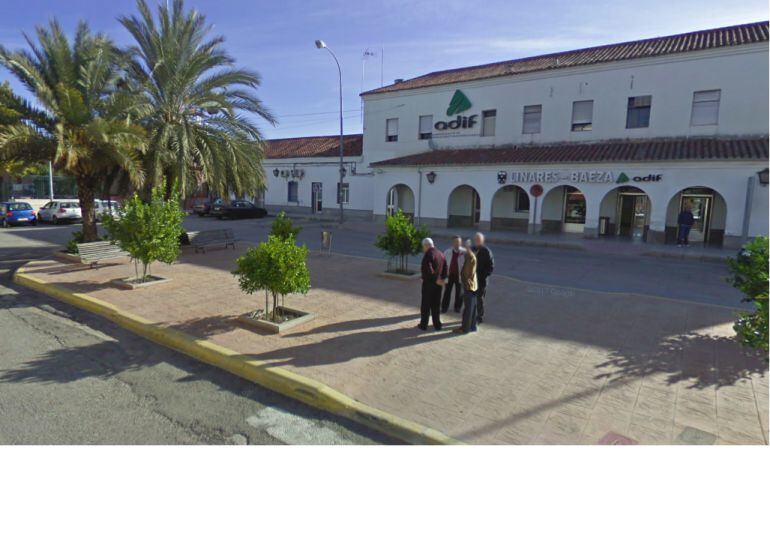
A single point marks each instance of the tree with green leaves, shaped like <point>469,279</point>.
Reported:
<point>401,239</point>
<point>148,231</point>
<point>277,266</point>
<point>82,118</point>
<point>750,275</point>
<point>197,106</point>
<point>284,228</point>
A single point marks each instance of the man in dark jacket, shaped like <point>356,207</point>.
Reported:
<point>434,274</point>
<point>685,222</point>
<point>484,269</point>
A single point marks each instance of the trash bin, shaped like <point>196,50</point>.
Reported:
<point>604,225</point>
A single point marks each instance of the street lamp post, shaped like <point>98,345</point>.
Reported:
<point>321,45</point>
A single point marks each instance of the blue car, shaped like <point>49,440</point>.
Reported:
<point>17,213</point>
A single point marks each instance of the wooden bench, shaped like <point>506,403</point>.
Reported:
<point>203,239</point>
<point>92,253</point>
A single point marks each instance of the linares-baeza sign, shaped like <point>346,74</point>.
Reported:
<point>580,177</point>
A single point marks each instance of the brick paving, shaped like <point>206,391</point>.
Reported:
<point>551,365</point>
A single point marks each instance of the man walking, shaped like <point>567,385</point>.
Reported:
<point>685,222</point>
<point>484,267</point>
<point>452,257</point>
<point>470,287</point>
<point>433,269</point>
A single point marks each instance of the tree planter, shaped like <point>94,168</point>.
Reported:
<point>68,257</point>
<point>135,284</point>
<point>409,275</point>
<point>294,317</point>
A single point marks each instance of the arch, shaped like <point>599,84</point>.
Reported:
<point>463,207</point>
<point>510,209</point>
<point>625,212</point>
<point>400,197</point>
<point>563,210</point>
<point>709,209</point>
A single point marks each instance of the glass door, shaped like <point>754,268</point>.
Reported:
<point>700,206</point>
<point>632,215</point>
<point>317,196</point>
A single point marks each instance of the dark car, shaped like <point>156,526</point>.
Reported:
<point>17,213</point>
<point>239,209</point>
<point>205,208</point>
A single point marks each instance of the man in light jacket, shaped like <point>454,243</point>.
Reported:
<point>454,261</point>
<point>470,288</point>
<point>486,265</point>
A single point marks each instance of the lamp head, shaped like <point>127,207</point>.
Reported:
<point>320,44</point>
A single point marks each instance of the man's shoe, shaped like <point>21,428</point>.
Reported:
<point>458,310</point>
<point>438,328</point>
<point>444,310</point>
<point>422,328</point>
<point>480,320</point>
<point>458,330</point>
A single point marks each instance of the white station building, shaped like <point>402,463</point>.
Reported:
<point>605,141</point>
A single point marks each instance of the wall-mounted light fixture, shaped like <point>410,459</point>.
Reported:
<point>763,176</point>
<point>275,172</point>
<point>431,176</point>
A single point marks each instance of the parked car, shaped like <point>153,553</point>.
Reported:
<point>205,208</point>
<point>58,211</point>
<point>239,209</point>
<point>106,208</point>
<point>17,213</point>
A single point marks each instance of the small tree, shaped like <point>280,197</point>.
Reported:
<point>277,266</point>
<point>401,239</point>
<point>750,275</point>
<point>148,231</point>
<point>283,227</point>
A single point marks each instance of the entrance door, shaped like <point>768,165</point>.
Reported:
<point>700,206</point>
<point>476,211</point>
<point>632,216</point>
<point>317,198</point>
<point>574,211</point>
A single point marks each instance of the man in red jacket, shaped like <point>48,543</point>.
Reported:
<point>434,274</point>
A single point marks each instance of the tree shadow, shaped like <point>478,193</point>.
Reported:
<point>701,360</point>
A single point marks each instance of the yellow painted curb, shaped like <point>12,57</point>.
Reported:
<point>278,379</point>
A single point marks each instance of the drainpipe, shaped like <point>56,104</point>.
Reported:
<point>747,208</point>
<point>419,197</point>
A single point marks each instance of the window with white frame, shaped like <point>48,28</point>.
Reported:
<point>638,114</point>
<point>532,117</point>
<point>391,130</point>
<point>582,115</point>
<point>293,195</point>
<point>705,107</point>
<point>488,121</point>
<point>426,127</point>
<point>343,194</point>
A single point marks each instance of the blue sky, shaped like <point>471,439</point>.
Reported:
<point>418,36</point>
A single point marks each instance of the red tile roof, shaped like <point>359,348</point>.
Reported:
<point>673,44</point>
<point>313,146</point>
<point>663,149</point>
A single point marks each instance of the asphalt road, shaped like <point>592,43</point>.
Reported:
<point>69,377</point>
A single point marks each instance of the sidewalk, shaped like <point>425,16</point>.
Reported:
<point>551,365</point>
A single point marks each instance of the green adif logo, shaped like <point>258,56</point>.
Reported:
<point>458,104</point>
<point>623,178</point>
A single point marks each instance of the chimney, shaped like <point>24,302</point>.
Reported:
<point>398,80</point>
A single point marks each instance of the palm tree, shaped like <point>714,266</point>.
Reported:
<point>198,107</point>
<point>81,120</point>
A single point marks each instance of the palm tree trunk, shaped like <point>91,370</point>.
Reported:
<point>86,191</point>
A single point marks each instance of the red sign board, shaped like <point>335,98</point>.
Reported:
<point>536,190</point>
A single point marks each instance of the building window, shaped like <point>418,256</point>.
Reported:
<point>426,127</point>
<point>391,130</point>
<point>343,194</point>
<point>293,191</point>
<point>705,107</point>
<point>488,119</point>
<point>638,115</point>
<point>532,116</point>
<point>582,115</point>
<point>522,201</point>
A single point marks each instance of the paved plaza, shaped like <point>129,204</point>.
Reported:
<point>553,364</point>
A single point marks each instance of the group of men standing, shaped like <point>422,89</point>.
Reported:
<point>463,271</point>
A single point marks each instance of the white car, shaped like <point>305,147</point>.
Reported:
<point>106,208</point>
<point>58,211</point>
